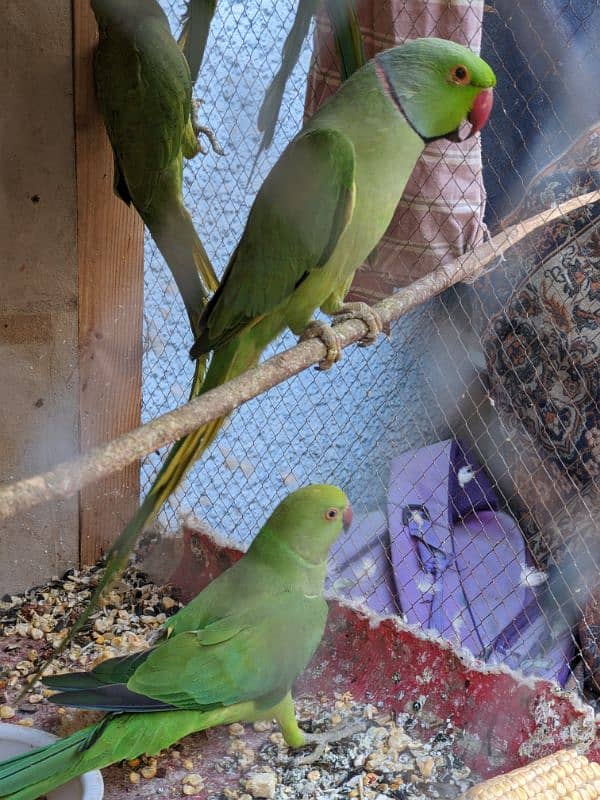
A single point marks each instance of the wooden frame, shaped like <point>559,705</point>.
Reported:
<point>110,255</point>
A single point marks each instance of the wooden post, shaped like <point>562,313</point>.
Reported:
<point>110,276</point>
<point>71,290</point>
<point>38,282</point>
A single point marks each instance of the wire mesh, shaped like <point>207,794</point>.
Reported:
<point>509,365</point>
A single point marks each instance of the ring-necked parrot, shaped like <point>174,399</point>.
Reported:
<point>329,198</point>
<point>144,91</point>
<point>321,210</point>
<point>231,655</point>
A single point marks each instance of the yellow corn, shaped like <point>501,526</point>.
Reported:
<point>564,775</point>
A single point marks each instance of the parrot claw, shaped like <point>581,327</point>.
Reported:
<point>322,740</point>
<point>366,314</point>
<point>202,129</point>
<point>324,332</point>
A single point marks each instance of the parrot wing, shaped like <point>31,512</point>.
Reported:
<point>246,655</point>
<point>113,670</point>
<point>243,656</point>
<point>297,218</point>
<point>156,85</point>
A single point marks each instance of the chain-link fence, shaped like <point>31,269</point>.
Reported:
<point>469,439</point>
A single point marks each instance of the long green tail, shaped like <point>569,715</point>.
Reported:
<point>33,774</point>
<point>177,239</point>
<point>348,38</point>
<point>194,33</point>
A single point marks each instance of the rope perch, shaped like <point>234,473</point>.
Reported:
<point>68,478</point>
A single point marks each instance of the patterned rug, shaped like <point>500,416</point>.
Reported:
<point>543,349</point>
<point>543,358</point>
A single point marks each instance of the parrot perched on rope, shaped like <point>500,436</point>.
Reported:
<point>144,91</point>
<point>329,198</point>
<point>321,210</point>
<point>231,655</point>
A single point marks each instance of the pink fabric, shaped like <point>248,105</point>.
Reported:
<point>440,214</point>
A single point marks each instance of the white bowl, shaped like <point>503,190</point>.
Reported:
<point>15,739</point>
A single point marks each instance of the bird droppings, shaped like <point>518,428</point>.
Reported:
<point>237,762</point>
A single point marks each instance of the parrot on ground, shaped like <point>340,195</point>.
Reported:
<point>144,90</point>
<point>319,213</point>
<point>230,655</point>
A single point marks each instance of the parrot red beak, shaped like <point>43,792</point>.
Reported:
<point>476,118</point>
<point>481,110</point>
<point>347,518</point>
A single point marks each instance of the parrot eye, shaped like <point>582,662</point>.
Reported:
<point>331,514</point>
<point>460,75</point>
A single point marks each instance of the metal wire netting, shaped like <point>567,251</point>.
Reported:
<point>508,366</point>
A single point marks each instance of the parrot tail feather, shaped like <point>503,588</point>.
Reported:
<point>31,775</point>
<point>26,775</point>
<point>180,245</point>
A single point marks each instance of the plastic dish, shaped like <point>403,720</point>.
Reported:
<point>16,739</point>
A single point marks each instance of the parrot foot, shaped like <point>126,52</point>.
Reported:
<point>324,332</point>
<point>366,314</point>
<point>204,131</point>
<point>322,740</point>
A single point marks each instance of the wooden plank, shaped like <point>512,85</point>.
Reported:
<point>110,258</point>
<point>38,279</point>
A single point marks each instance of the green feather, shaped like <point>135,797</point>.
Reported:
<point>347,34</point>
<point>317,164</point>
<point>194,33</point>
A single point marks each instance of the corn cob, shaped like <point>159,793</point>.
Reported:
<point>564,775</point>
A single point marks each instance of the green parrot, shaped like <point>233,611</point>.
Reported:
<point>321,210</point>
<point>330,196</point>
<point>231,655</point>
<point>144,91</point>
